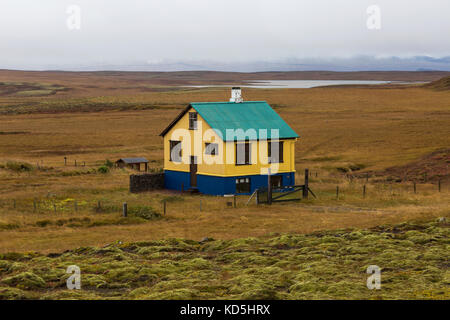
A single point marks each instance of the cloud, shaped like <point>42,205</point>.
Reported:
<point>34,34</point>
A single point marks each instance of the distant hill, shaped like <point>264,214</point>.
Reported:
<point>441,84</point>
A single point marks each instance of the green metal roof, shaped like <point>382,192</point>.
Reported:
<point>245,115</point>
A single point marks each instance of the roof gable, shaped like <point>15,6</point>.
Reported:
<point>257,115</point>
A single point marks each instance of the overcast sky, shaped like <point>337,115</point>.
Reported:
<point>35,33</point>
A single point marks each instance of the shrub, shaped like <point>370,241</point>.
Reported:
<point>8,226</point>
<point>145,212</point>
<point>107,208</point>
<point>19,166</point>
<point>103,169</point>
<point>109,163</point>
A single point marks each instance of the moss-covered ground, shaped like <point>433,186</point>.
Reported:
<point>413,257</point>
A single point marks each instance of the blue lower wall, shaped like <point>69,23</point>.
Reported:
<point>176,180</point>
<point>219,185</point>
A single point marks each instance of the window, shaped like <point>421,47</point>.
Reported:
<point>175,151</point>
<point>192,120</point>
<point>243,153</point>
<point>243,185</point>
<point>276,181</point>
<point>277,157</point>
<point>211,149</point>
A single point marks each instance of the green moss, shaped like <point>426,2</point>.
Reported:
<point>122,275</point>
<point>177,294</point>
<point>307,286</point>
<point>345,289</point>
<point>432,274</point>
<point>323,265</point>
<point>330,239</point>
<point>164,286</point>
<point>17,256</point>
<point>197,264</point>
<point>71,295</point>
<point>260,294</point>
<point>92,281</point>
<point>25,280</point>
<point>10,266</point>
<point>139,293</point>
<point>49,274</point>
<point>14,294</point>
<point>418,237</point>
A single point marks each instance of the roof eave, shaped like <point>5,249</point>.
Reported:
<point>180,115</point>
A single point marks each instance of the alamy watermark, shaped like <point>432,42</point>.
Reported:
<point>235,146</point>
<point>74,281</point>
<point>374,280</point>
<point>73,21</point>
<point>374,17</point>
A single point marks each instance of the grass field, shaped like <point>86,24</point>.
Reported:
<point>323,265</point>
<point>49,207</point>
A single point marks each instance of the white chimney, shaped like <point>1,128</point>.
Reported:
<point>236,95</point>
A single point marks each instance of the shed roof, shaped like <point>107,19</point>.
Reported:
<point>246,115</point>
<point>133,160</point>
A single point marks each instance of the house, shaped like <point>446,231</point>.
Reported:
<point>132,163</point>
<point>230,147</point>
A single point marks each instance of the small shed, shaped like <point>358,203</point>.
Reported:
<point>133,163</point>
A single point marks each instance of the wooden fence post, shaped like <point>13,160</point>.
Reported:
<point>269,187</point>
<point>415,188</point>
<point>125,210</point>
<point>75,204</point>
<point>65,161</point>
<point>306,186</point>
<point>337,192</point>
<point>164,204</point>
<point>98,206</point>
<point>200,205</point>
<point>364,191</point>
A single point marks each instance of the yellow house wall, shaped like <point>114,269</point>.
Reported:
<point>222,169</point>
<point>202,168</point>
<point>259,159</point>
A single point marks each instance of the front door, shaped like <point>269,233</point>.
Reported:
<point>193,169</point>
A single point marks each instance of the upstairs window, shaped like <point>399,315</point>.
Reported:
<point>211,149</point>
<point>192,120</point>
<point>175,151</point>
<point>243,154</point>
<point>277,149</point>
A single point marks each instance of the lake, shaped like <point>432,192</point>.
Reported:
<point>269,84</point>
